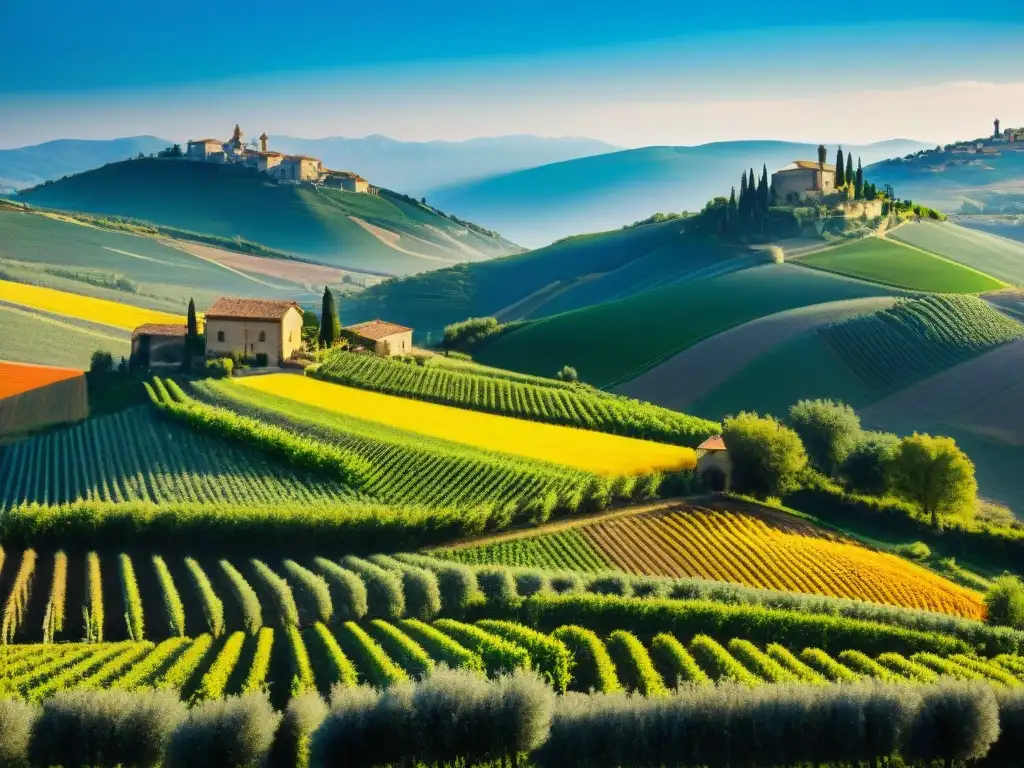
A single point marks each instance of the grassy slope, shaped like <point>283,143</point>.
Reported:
<point>30,337</point>
<point>894,264</point>
<point>166,276</point>
<point>996,256</point>
<point>430,301</point>
<point>229,201</point>
<point>614,342</point>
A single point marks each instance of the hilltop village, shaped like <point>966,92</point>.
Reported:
<point>296,168</point>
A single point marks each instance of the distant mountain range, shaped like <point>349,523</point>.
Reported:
<point>539,205</point>
<point>27,166</point>
<point>415,168</point>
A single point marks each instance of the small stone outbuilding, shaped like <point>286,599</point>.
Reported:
<point>385,339</point>
<point>158,345</point>
<point>253,326</point>
<point>713,465</point>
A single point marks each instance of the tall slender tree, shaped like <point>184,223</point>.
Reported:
<point>744,202</point>
<point>840,169</point>
<point>192,343</point>
<point>762,190</point>
<point>330,326</point>
<point>731,210</point>
<point>859,181</point>
<point>849,167</point>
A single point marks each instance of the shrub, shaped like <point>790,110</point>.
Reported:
<point>255,681</point>
<point>94,612</point>
<point>500,656</point>
<point>235,732</point>
<point>220,367</point>
<point>759,663</point>
<point>216,678</point>
<point>915,550</point>
<point>213,608</point>
<point>457,582</point>
<point>862,664</point>
<point>718,663</point>
<point>17,720</point>
<point>132,599</point>
<point>342,671</point>
<point>565,583</point>
<point>422,593</point>
<point>633,664</point>
<point>351,733</point>
<point>172,600</point>
<point>104,729</point>
<point>401,648</point>
<point>645,586</point>
<point>530,582</point>
<point>384,595</point>
<point>284,600</point>
<point>181,671</point>
<point>592,667</point>
<point>348,593</point>
<point>795,667</point>
<point>766,455</point>
<point>496,584</point>
<point>290,748</point>
<point>868,465</point>
<point>568,373</point>
<point>828,430</point>
<point>313,588</point>
<point>911,670</point>
<point>1005,602</point>
<point>380,670</point>
<point>1008,749</point>
<point>610,584</point>
<point>674,663</point>
<point>956,722</point>
<point>443,648</point>
<point>820,661</point>
<point>549,656</point>
<point>301,668</point>
<point>248,600</point>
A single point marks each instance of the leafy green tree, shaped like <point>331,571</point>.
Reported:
<point>868,465</point>
<point>829,431</point>
<point>840,173</point>
<point>568,373</point>
<point>935,474</point>
<point>330,326</point>
<point>766,455</point>
<point>1005,602</point>
<point>849,168</point>
<point>101,363</point>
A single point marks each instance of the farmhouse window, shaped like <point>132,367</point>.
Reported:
<point>263,335</point>
<point>220,335</point>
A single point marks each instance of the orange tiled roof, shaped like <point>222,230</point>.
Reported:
<point>229,308</point>
<point>714,443</point>
<point>160,329</point>
<point>375,330</point>
<point>205,141</point>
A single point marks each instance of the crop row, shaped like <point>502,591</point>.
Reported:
<point>900,344</point>
<point>576,406</point>
<point>381,653</point>
<point>133,456</point>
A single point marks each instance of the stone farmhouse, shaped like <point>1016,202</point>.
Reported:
<point>295,168</point>
<point>253,327</point>
<point>805,178</point>
<point>385,339</point>
<point>713,464</point>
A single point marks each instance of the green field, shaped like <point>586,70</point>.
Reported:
<point>165,277</point>
<point>614,342</point>
<point>892,264</point>
<point>233,202</point>
<point>894,347</point>
<point>801,368</point>
<point>568,272</point>
<point>35,337</point>
<point>996,256</point>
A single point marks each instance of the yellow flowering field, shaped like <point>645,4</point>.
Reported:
<point>112,313</point>
<point>593,451</point>
<point>773,552</point>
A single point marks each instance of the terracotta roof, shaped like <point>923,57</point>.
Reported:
<point>715,443</point>
<point>375,330</point>
<point>809,165</point>
<point>160,329</point>
<point>227,307</point>
<point>205,141</point>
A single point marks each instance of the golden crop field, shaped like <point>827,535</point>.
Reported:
<point>593,451</point>
<point>112,313</point>
<point>772,552</point>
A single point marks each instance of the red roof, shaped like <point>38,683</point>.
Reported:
<point>715,443</point>
<point>160,329</point>
<point>375,330</point>
<point>229,308</point>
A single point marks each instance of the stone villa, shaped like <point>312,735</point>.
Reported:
<point>295,168</point>
<point>805,178</point>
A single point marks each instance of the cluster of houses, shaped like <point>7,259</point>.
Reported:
<point>296,168</point>
<point>253,328</point>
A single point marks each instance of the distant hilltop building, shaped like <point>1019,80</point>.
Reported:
<point>295,168</point>
<point>805,178</point>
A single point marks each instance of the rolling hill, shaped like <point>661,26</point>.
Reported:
<point>417,167</point>
<point>575,272</point>
<point>991,253</point>
<point>377,234</point>
<point>540,205</point>
<point>27,166</point>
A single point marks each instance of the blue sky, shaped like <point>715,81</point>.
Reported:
<point>629,73</point>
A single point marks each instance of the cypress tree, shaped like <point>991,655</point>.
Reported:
<point>762,189</point>
<point>860,180</point>
<point>849,167</point>
<point>731,210</point>
<point>840,174</point>
<point>752,189</point>
<point>330,327</point>
<point>192,332</point>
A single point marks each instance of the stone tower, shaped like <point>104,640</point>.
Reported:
<point>996,134</point>
<point>263,141</point>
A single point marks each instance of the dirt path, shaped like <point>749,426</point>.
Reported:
<point>391,239</point>
<point>697,371</point>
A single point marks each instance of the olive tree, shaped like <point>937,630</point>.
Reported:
<point>934,474</point>
<point>766,455</point>
<point>1005,602</point>
<point>829,431</point>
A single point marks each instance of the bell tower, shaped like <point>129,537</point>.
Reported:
<point>263,141</point>
<point>996,134</point>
